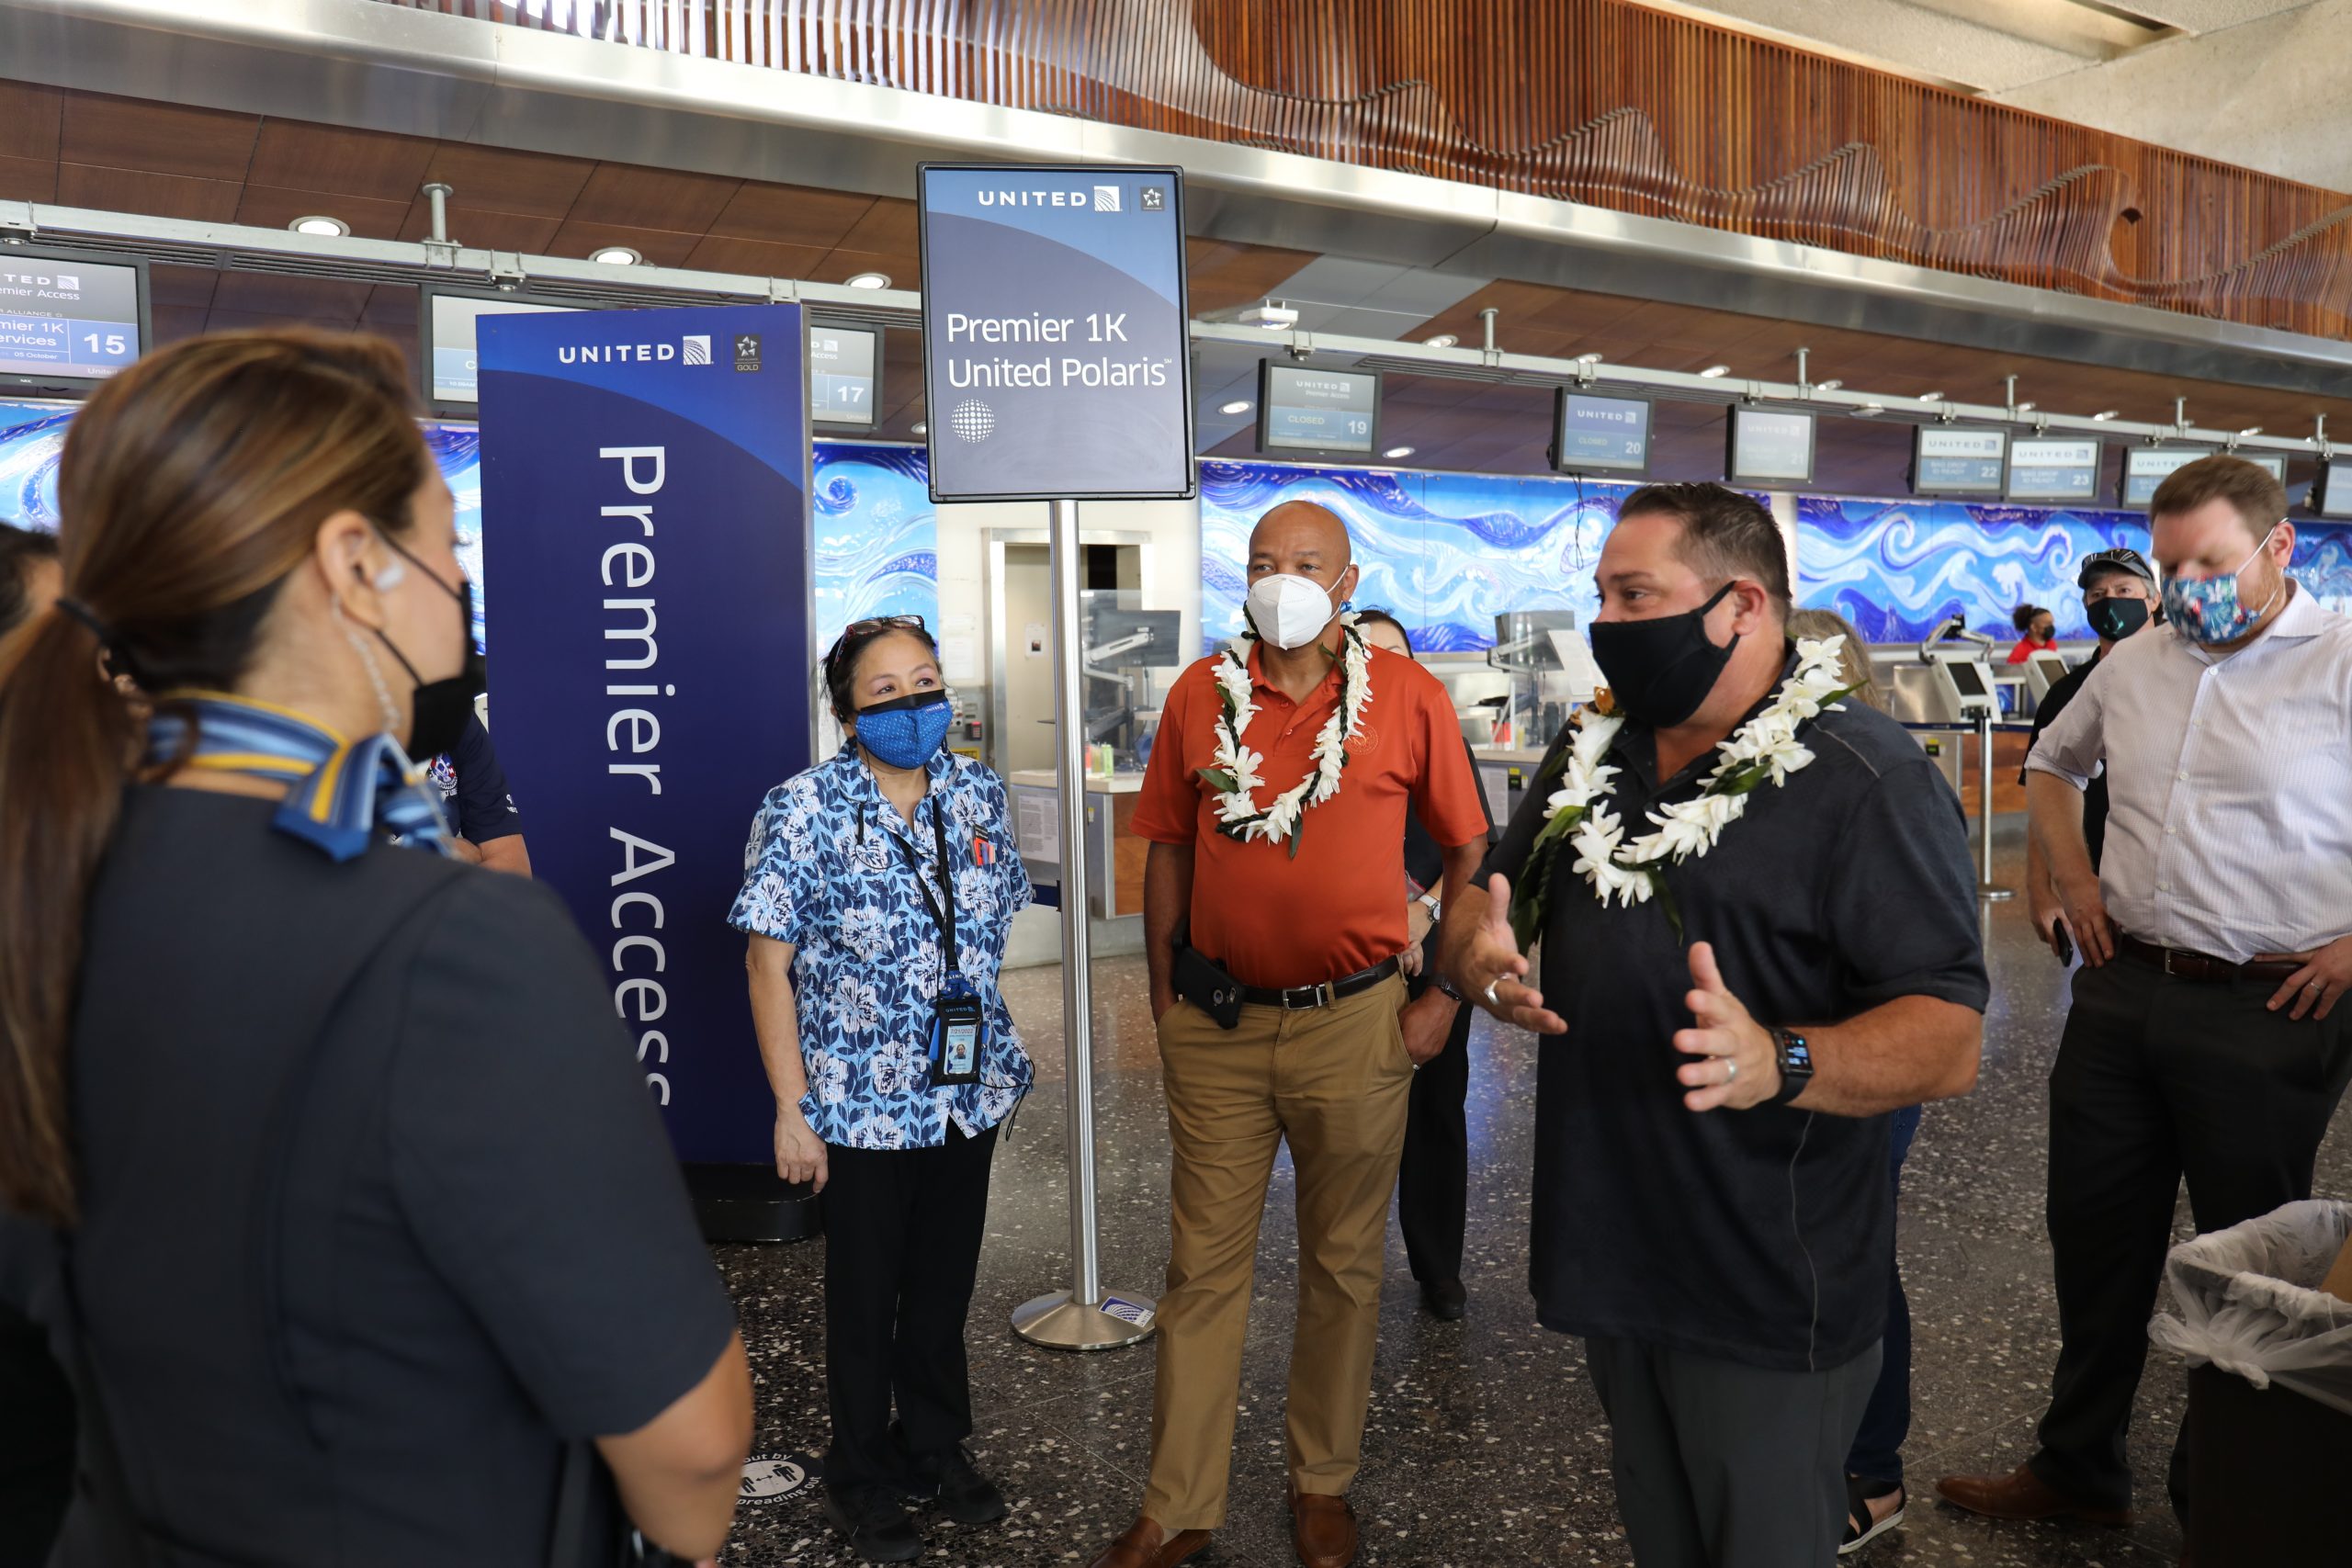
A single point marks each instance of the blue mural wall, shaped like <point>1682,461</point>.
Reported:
<point>1445,552</point>
<point>877,536</point>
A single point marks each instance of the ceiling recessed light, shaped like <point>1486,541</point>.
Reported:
<point>922,429</point>
<point>1238,405</point>
<point>870,280</point>
<point>1829,385</point>
<point>1443,340</point>
<point>616,255</point>
<point>1398,452</point>
<point>2104,414</point>
<point>1589,359</point>
<point>319,223</point>
<point>1931,397</point>
<point>1711,371</point>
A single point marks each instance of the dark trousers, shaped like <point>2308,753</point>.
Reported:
<point>902,1249</point>
<point>36,1443</point>
<point>1433,1177</point>
<point>1719,1465</point>
<point>1877,1454</point>
<point>2157,1078</point>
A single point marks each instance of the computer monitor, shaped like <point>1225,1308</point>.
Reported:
<point>1968,676</point>
<point>2043,671</point>
<point>845,374</point>
<point>69,319</point>
<point>1957,461</point>
<point>1596,434</point>
<point>2332,494</point>
<point>446,319</point>
<point>1305,411</point>
<point>1768,446</point>
<point>2051,468</point>
<point>2145,468</point>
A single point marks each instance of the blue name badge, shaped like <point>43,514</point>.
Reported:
<point>959,1033</point>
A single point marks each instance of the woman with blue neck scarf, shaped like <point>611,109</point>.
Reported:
<point>322,1157</point>
<point>879,890</point>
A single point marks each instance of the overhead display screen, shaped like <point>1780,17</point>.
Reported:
<point>1055,338</point>
<point>2145,468</point>
<point>2331,496</point>
<point>1595,435</point>
<point>1946,460</point>
<point>449,343</point>
<point>1302,409</point>
<point>2055,468</point>
<point>845,374</point>
<point>69,320</point>
<point>1768,447</point>
<point>2276,462</point>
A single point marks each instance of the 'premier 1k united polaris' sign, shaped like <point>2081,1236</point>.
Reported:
<point>645,520</point>
<point>1056,355</point>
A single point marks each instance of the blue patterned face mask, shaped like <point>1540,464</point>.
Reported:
<point>2207,609</point>
<point>905,731</point>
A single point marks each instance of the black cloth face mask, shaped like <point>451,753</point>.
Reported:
<point>438,709</point>
<point>1659,670</point>
<point>2118,619</point>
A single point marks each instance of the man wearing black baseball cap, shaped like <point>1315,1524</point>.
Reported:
<point>2119,598</point>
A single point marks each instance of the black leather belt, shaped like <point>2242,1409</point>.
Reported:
<point>2182,965</point>
<point>1300,996</point>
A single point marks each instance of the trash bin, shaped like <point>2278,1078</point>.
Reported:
<point>2269,1387</point>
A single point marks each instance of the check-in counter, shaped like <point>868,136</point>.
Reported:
<point>1506,773</point>
<point>1114,856</point>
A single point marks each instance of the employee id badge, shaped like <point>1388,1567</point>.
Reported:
<point>959,1033</point>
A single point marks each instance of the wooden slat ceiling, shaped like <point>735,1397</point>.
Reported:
<point>96,151</point>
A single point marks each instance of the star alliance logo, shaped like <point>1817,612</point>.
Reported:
<point>747,350</point>
<point>1155,198</point>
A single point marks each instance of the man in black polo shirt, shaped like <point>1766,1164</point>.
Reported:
<point>1746,988</point>
<point>2119,598</point>
<point>480,807</point>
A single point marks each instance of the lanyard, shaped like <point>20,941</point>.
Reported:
<point>947,923</point>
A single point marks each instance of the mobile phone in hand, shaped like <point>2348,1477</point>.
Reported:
<point>2065,942</point>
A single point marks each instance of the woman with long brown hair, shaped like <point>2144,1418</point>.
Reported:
<point>323,1157</point>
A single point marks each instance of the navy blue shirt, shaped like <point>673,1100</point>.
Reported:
<point>474,796</point>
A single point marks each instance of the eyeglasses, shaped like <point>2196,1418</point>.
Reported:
<point>884,622</point>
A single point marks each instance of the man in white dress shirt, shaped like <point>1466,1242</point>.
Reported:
<point>2210,1036</point>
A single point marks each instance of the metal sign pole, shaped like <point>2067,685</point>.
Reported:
<point>1075,1319</point>
<point>1987,888</point>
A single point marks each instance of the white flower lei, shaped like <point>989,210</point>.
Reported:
<point>1233,772</point>
<point>1766,747</point>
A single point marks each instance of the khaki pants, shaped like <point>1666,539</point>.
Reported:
<point>1334,1081</point>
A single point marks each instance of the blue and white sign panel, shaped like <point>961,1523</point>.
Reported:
<point>1055,358</point>
<point>1601,434</point>
<point>647,470</point>
<point>2055,468</point>
<point>65,319</point>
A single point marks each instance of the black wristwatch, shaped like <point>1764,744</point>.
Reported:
<point>1795,1061</point>
<point>1446,986</point>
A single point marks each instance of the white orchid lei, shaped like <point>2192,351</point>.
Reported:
<point>1625,870</point>
<point>1233,772</point>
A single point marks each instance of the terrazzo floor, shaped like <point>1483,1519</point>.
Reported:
<point>1486,1444</point>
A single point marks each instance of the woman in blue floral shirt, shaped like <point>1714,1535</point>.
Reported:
<point>879,888</point>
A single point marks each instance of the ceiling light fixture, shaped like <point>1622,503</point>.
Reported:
<point>2104,415</point>
<point>1713,371</point>
<point>922,429</point>
<point>1589,358</point>
<point>1829,385</point>
<point>1398,452</point>
<point>2248,431</point>
<point>2025,408</point>
<point>870,280</point>
<point>1238,405</point>
<point>1271,316</point>
<point>1869,409</point>
<point>1931,397</point>
<point>1443,340</point>
<point>319,223</point>
<point>617,256</point>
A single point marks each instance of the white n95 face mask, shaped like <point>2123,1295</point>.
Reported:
<point>1289,612</point>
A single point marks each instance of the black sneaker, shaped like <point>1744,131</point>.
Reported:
<point>874,1522</point>
<point>963,1494</point>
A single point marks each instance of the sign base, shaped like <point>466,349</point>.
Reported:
<point>1059,1322</point>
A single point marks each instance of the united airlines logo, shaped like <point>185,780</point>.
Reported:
<point>1106,199</point>
<point>697,347</point>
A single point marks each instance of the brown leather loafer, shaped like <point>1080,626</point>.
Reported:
<point>1323,1529</point>
<point>2022,1494</point>
<point>1146,1545</point>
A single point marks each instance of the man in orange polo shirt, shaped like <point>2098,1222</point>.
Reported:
<point>1275,805</point>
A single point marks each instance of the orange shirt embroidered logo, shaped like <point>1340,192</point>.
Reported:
<point>1365,740</point>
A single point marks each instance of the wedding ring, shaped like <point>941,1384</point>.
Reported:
<point>1493,1001</point>
<point>1731,1070</point>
